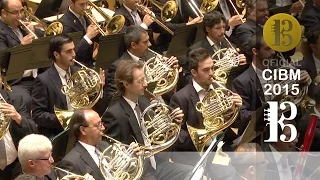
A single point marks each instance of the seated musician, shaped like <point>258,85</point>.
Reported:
<point>123,119</point>
<point>20,125</point>
<point>311,17</point>
<point>86,126</point>
<point>250,85</point>
<point>11,35</point>
<point>201,66</point>
<point>74,20</point>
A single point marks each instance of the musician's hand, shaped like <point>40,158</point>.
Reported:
<point>136,148</point>
<point>305,77</point>
<point>92,31</point>
<point>296,7</point>
<point>173,61</point>
<point>102,77</point>
<point>88,177</point>
<point>243,59</point>
<point>11,112</point>
<point>27,39</point>
<point>147,20</point>
<point>177,115</point>
<point>236,99</point>
<point>30,26</point>
<point>195,21</point>
<point>235,20</point>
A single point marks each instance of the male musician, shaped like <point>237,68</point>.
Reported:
<point>249,162</point>
<point>124,118</point>
<point>201,66</point>
<point>74,20</point>
<point>11,35</point>
<point>20,125</point>
<point>250,85</point>
<point>86,126</point>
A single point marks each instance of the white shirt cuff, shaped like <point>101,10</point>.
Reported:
<point>144,26</point>
<point>87,39</point>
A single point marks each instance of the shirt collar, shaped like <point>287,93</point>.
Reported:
<point>77,15</point>
<point>91,149</point>
<point>211,42</point>
<point>135,58</point>
<point>61,72</point>
<point>128,9</point>
<point>198,88</point>
<point>258,71</point>
<point>276,155</point>
<point>131,103</point>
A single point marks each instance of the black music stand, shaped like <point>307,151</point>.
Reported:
<point>76,36</point>
<point>183,38</point>
<point>39,57</point>
<point>200,35</point>
<point>110,48</point>
<point>235,72</point>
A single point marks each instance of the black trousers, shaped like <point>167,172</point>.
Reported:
<point>11,171</point>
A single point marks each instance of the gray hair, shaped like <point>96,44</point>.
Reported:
<point>32,147</point>
<point>133,35</point>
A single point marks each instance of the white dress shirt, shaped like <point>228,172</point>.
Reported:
<point>282,3</point>
<point>201,92</point>
<point>92,151</point>
<point>137,20</point>
<point>284,173</point>
<point>135,58</point>
<point>11,151</point>
<point>85,36</point>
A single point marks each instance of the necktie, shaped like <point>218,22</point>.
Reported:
<point>3,155</point>
<point>98,153</point>
<point>83,22</point>
<point>144,133</point>
<point>136,18</point>
<point>67,77</point>
<point>216,48</point>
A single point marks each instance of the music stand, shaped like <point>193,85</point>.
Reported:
<point>183,38</point>
<point>109,50</point>
<point>200,33</point>
<point>235,72</point>
<point>39,57</point>
<point>76,36</point>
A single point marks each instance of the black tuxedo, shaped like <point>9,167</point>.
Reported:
<point>121,124</point>
<point>80,162</point>
<point>84,50</point>
<point>17,132</point>
<point>128,18</point>
<point>248,86</point>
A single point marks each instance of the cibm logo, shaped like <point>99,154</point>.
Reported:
<point>271,115</point>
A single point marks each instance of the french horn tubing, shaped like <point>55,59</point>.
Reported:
<point>4,120</point>
<point>69,175</point>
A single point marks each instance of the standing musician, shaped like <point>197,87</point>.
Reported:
<point>74,20</point>
<point>11,35</point>
<point>87,128</point>
<point>20,125</point>
<point>201,66</point>
<point>122,119</point>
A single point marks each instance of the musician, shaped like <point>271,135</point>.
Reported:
<point>201,66</point>
<point>86,127</point>
<point>20,125</point>
<point>249,162</point>
<point>74,20</point>
<point>34,154</point>
<point>122,119</point>
<point>293,6</point>
<point>11,35</point>
<point>312,17</point>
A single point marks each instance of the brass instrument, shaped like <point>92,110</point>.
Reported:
<point>83,88</point>
<point>240,4</point>
<point>69,175</point>
<point>64,117</point>
<point>205,7</point>
<point>118,161</point>
<point>156,69</point>
<point>114,24</point>
<point>168,10</point>
<point>54,28</point>
<point>4,120</point>
<point>218,113</point>
<point>145,10</point>
<point>28,29</point>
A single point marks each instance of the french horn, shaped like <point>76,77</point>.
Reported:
<point>69,175</point>
<point>4,120</point>
<point>218,113</point>
<point>159,70</point>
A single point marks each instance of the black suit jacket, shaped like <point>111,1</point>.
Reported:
<point>46,94</point>
<point>80,162</point>
<point>248,86</point>
<point>308,64</point>
<point>128,18</point>
<point>311,18</point>
<point>84,50</point>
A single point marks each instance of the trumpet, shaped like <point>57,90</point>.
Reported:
<point>145,10</point>
<point>69,175</point>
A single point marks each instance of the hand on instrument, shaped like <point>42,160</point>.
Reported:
<point>92,31</point>
<point>177,115</point>
<point>243,59</point>
<point>11,112</point>
<point>236,99</point>
<point>173,61</point>
<point>30,26</point>
<point>236,20</point>
<point>136,148</point>
<point>296,7</point>
<point>27,39</point>
<point>195,21</point>
<point>88,177</point>
<point>147,20</point>
<point>102,77</point>
<point>305,77</point>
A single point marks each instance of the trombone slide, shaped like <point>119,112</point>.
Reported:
<point>28,29</point>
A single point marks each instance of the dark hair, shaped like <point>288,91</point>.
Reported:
<point>313,34</point>
<point>78,119</point>
<point>124,72</point>
<point>255,42</point>
<point>26,177</point>
<point>211,19</point>
<point>244,156</point>
<point>133,34</point>
<point>196,56</point>
<point>56,43</point>
<point>4,4</point>
<point>251,4</point>
<point>316,94</point>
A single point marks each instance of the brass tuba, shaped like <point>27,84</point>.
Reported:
<point>118,161</point>
<point>159,70</point>
<point>218,113</point>
<point>4,120</point>
<point>69,175</point>
<point>83,88</point>
<point>114,24</point>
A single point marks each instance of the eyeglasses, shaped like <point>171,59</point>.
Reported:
<point>16,12</point>
<point>45,159</point>
<point>97,125</point>
<point>141,81</point>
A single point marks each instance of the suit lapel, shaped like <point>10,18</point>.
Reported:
<point>127,14</point>
<point>195,98</point>
<point>56,81</point>
<point>132,120</point>
<point>75,20</point>
<point>206,45</point>
<point>9,31</point>
<point>256,84</point>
